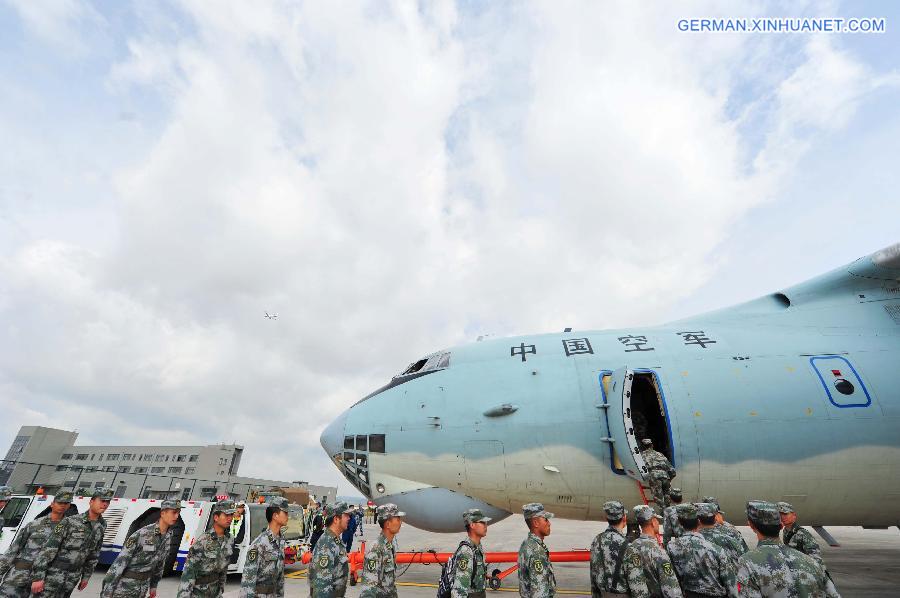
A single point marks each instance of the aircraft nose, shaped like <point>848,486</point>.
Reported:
<point>332,437</point>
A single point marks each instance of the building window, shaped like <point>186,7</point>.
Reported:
<point>69,484</point>
<point>90,468</point>
<point>112,457</point>
<point>66,457</point>
<point>81,457</point>
<point>148,457</point>
<point>99,484</point>
<point>62,467</point>
<point>120,491</point>
<point>193,458</point>
<point>140,470</point>
<point>190,470</point>
<point>208,492</point>
<point>76,468</point>
<point>127,456</point>
<point>124,469</point>
<point>109,468</point>
<point>157,469</point>
<point>180,458</point>
<point>186,494</point>
<point>174,470</point>
<point>160,458</point>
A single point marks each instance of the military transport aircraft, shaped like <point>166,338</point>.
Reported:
<point>793,396</point>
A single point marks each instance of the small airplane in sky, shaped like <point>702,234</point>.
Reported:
<point>271,317</point>
<point>792,396</point>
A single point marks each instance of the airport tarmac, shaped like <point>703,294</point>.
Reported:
<point>866,564</point>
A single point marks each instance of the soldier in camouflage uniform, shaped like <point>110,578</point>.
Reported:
<point>5,495</point>
<point>206,566</point>
<point>706,513</point>
<point>380,569</point>
<point>329,567</point>
<point>646,567</point>
<point>140,565</point>
<point>264,568</point>
<point>725,526</point>
<point>798,537</point>
<point>671,527</point>
<point>70,555</point>
<point>773,569</point>
<point>471,570</point>
<point>536,579</point>
<point>17,565</point>
<point>703,568</point>
<point>607,551</point>
<point>660,473</point>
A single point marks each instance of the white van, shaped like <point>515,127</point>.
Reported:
<point>125,515</point>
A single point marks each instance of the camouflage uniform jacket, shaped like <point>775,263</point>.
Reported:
<point>734,533</point>
<point>605,549</point>
<point>701,566</point>
<point>380,570</point>
<point>672,527</point>
<point>70,554</point>
<point>800,539</point>
<point>648,571</point>
<point>773,569</point>
<point>721,538</point>
<point>536,579</point>
<point>144,554</point>
<point>656,461</point>
<point>264,568</point>
<point>469,576</point>
<point>206,566</point>
<point>329,567</point>
<point>25,549</point>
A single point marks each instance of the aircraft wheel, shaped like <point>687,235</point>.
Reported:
<point>494,582</point>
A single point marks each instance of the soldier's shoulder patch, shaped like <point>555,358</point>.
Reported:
<point>537,565</point>
<point>636,560</point>
<point>252,554</point>
<point>59,528</point>
<point>462,564</point>
<point>667,569</point>
<point>371,563</point>
<point>322,561</point>
<point>131,541</point>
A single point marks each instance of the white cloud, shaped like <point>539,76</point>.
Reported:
<point>390,182</point>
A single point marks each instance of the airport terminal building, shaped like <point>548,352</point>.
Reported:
<point>48,458</point>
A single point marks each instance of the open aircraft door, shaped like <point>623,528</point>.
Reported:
<point>621,428</point>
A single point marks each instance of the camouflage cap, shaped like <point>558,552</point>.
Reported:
<point>535,509</point>
<point>64,496</point>
<point>675,493</point>
<point>279,502</point>
<point>388,510</point>
<point>614,510</point>
<point>644,513</point>
<point>761,512</point>
<point>5,492</point>
<point>713,501</point>
<point>785,507</point>
<point>170,503</point>
<point>686,511</point>
<point>475,516</point>
<point>225,507</point>
<point>336,508</point>
<point>103,493</point>
<point>705,509</point>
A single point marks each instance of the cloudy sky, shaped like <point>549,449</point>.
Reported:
<point>392,178</point>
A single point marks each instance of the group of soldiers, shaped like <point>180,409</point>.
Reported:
<point>704,555</point>
<point>701,554</point>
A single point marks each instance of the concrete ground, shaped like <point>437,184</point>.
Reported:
<point>866,564</point>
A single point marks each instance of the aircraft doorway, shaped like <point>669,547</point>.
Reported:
<point>636,409</point>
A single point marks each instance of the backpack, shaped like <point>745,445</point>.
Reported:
<point>448,574</point>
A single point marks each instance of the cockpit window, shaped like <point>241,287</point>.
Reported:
<point>438,361</point>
